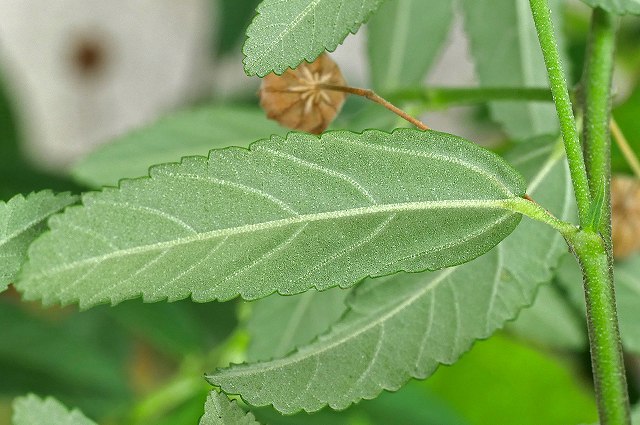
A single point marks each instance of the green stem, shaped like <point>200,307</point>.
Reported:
<point>604,336</point>
<point>560,92</point>
<point>536,212</point>
<point>597,110</point>
<point>442,97</point>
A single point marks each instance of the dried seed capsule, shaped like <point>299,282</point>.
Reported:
<point>625,215</point>
<point>295,100</point>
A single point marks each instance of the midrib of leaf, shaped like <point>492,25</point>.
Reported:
<point>295,322</point>
<point>261,367</point>
<point>297,219</point>
<point>400,33</point>
<point>291,28</point>
<point>26,226</point>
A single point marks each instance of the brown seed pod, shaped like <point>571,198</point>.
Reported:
<point>295,100</point>
<point>625,215</point>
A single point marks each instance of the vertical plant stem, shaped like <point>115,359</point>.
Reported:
<point>597,110</point>
<point>623,144</point>
<point>560,92</point>
<point>604,337</point>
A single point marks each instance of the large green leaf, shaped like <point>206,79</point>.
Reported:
<point>507,54</point>
<point>288,215</point>
<point>21,221</point>
<point>193,132</point>
<point>279,324</point>
<point>404,325</point>
<point>404,38</point>
<point>283,34</point>
<point>620,7</point>
<point>30,410</point>
<point>219,410</point>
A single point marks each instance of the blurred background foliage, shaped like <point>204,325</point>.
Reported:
<point>143,363</point>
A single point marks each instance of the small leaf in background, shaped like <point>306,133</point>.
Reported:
<point>405,325</point>
<point>508,382</point>
<point>186,133</point>
<point>31,410</point>
<point>625,216</point>
<point>509,56</point>
<point>620,7</point>
<point>287,215</point>
<point>280,324</point>
<point>22,219</point>
<point>295,100</point>
<point>403,40</point>
<point>219,410</point>
<point>283,34</point>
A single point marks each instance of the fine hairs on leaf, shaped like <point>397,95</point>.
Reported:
<point>283,34</point>
<point>219,410</point>
<point>404,325</point>
<point>31,409</point>
<point>22,220</point>
<point>287,215</point>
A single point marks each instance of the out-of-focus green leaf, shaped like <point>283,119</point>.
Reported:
<point>627,280</point>
<point>219,410</point>
<point>404,39</point>
<point>76,358</point>
<point>501,381</point>
<point>404,325</point>
<point>505,47</point>
<point>620,7</point>
<point>179,329</point>
<point>280,324</point>
<point>193,132</point>
<point>552,320</point>
<point>283,34</point>
<point>287,215</point>
<point>31,410</point>
<point>22,220</point>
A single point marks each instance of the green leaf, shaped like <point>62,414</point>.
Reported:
<point>288,215</point>
<point>193,132</point>
<point>21,221</point>
<point>627,280</point>
<point>233,17</point>
<point>503,381</point>
<point>405,325</point>
<point>620,7</point>
<point>508,55</point>
<point>552,320</point>
<point>31,410</point>
<point>404,38</point>
<point>283,34</point>
<point>219,410</point>
<point>279,324</point>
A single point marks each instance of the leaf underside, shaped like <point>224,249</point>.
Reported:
<point>31,410</point>
<point>619,7</point>
<point>22,219</point>
<point>404,325</point>
<point>288,215</point>
<point>219,410</point>
<point>283,34</point>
